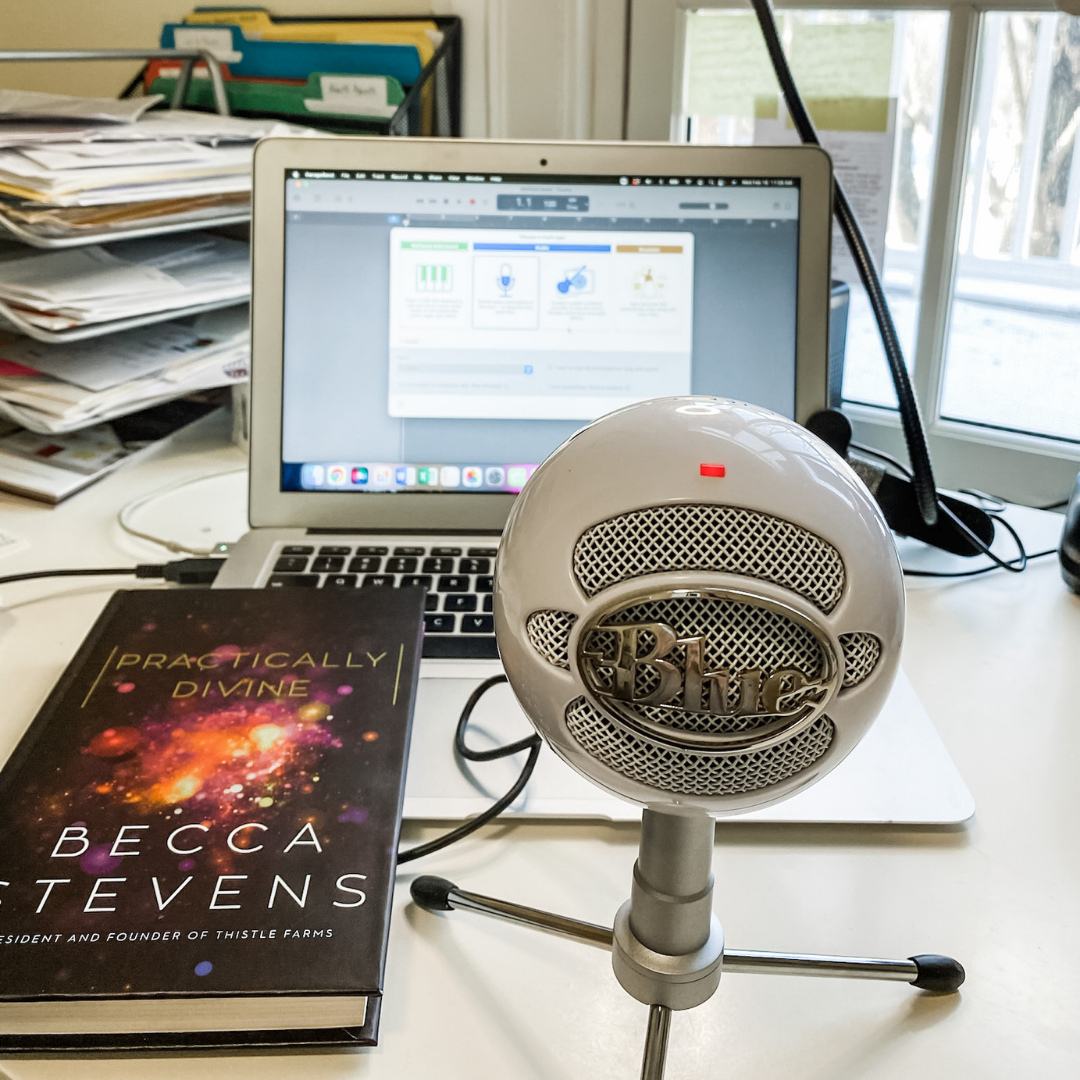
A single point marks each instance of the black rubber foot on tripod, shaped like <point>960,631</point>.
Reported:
<point>432,894</point>
<point>941,974</point>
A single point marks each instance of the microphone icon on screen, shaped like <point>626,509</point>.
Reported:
<point>505,279</point>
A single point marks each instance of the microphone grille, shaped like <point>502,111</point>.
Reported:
<point>729,539</point>
<point>549,634</point>
<point>693,772</point>
<point>861,653</point>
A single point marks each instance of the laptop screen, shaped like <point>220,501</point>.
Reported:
<point>446,332</point>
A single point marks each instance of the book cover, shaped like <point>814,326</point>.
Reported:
<point>207,807</point>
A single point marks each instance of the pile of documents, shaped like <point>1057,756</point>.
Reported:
<point>50,468</point>
<point>82,166</point>
<point>57,290</point>
<point>64,222</point>
<point>52,389</point>
<point>164,314</point>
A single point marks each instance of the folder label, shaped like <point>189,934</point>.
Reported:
<point>353,93</point>
<point>217,42</point>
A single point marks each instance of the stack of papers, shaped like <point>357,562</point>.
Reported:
<point>33,105</point>
<point>58,290</point>
<point>51,468</point>
<point>138,168</point>
<point>96,173</point>
<point>52,389</point>
<point>74,171</point>
<point>68,222</point>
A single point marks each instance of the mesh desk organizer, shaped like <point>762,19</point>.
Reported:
<point>431,106</point>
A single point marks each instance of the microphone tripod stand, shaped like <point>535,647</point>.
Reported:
<point>667,946</point>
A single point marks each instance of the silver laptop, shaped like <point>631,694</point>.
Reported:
<point>431,318</point>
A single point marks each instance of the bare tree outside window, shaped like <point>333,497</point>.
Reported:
<point>1058,142</point>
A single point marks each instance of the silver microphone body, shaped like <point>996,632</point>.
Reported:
<point>699,607</point>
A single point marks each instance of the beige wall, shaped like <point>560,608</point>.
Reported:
<point>532,68</point>
<point>122,24</point>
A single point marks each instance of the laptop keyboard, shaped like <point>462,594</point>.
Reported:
<point>458,619</point>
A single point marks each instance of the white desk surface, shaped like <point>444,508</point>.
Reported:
<point>994,660</point>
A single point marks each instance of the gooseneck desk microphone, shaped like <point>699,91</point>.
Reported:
<point>699,607</point>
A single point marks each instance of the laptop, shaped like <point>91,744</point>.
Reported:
<point>431,318</point>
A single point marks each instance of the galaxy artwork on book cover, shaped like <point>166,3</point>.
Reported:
<point>209,803</point>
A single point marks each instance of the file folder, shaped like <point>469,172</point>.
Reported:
<point>259,24</point>
<point>324,94</point>
<point>293,59</point>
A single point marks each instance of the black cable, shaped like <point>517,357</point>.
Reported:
<point>72,573</point>
<point>971,573</point>
<point>1014,566</point>
<point>910,419</point>
<point>990,503</point>
<point>180,571</point>
<point>466,714</point>
<point>531,743</point>
<point>888,458</point>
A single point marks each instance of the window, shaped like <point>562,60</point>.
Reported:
<point>1013,351</point>
<point>977,233</point>
<point>871,80</point>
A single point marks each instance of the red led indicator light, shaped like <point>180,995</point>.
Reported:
<point>711,470</point>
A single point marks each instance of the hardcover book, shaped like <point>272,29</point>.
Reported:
<point>198,831</point>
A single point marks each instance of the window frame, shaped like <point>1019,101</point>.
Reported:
<point>1025,468</point>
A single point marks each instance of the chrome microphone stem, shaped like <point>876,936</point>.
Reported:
<point>654,1058</point>
<point>671,896</point>
<point>668,946</point>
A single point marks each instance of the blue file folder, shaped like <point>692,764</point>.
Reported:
<point>297,59</point>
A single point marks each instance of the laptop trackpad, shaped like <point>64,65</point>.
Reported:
<point>899,773</point>
<point>441,785</point>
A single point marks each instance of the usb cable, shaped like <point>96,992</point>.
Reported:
<point>180,572</point>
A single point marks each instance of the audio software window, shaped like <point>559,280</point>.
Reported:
<point>523,324</point>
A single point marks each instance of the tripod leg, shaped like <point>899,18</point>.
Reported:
<point>941,974</point>
<point>438,894</point>
<point>927,972</point>
<point>656,1041</point>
